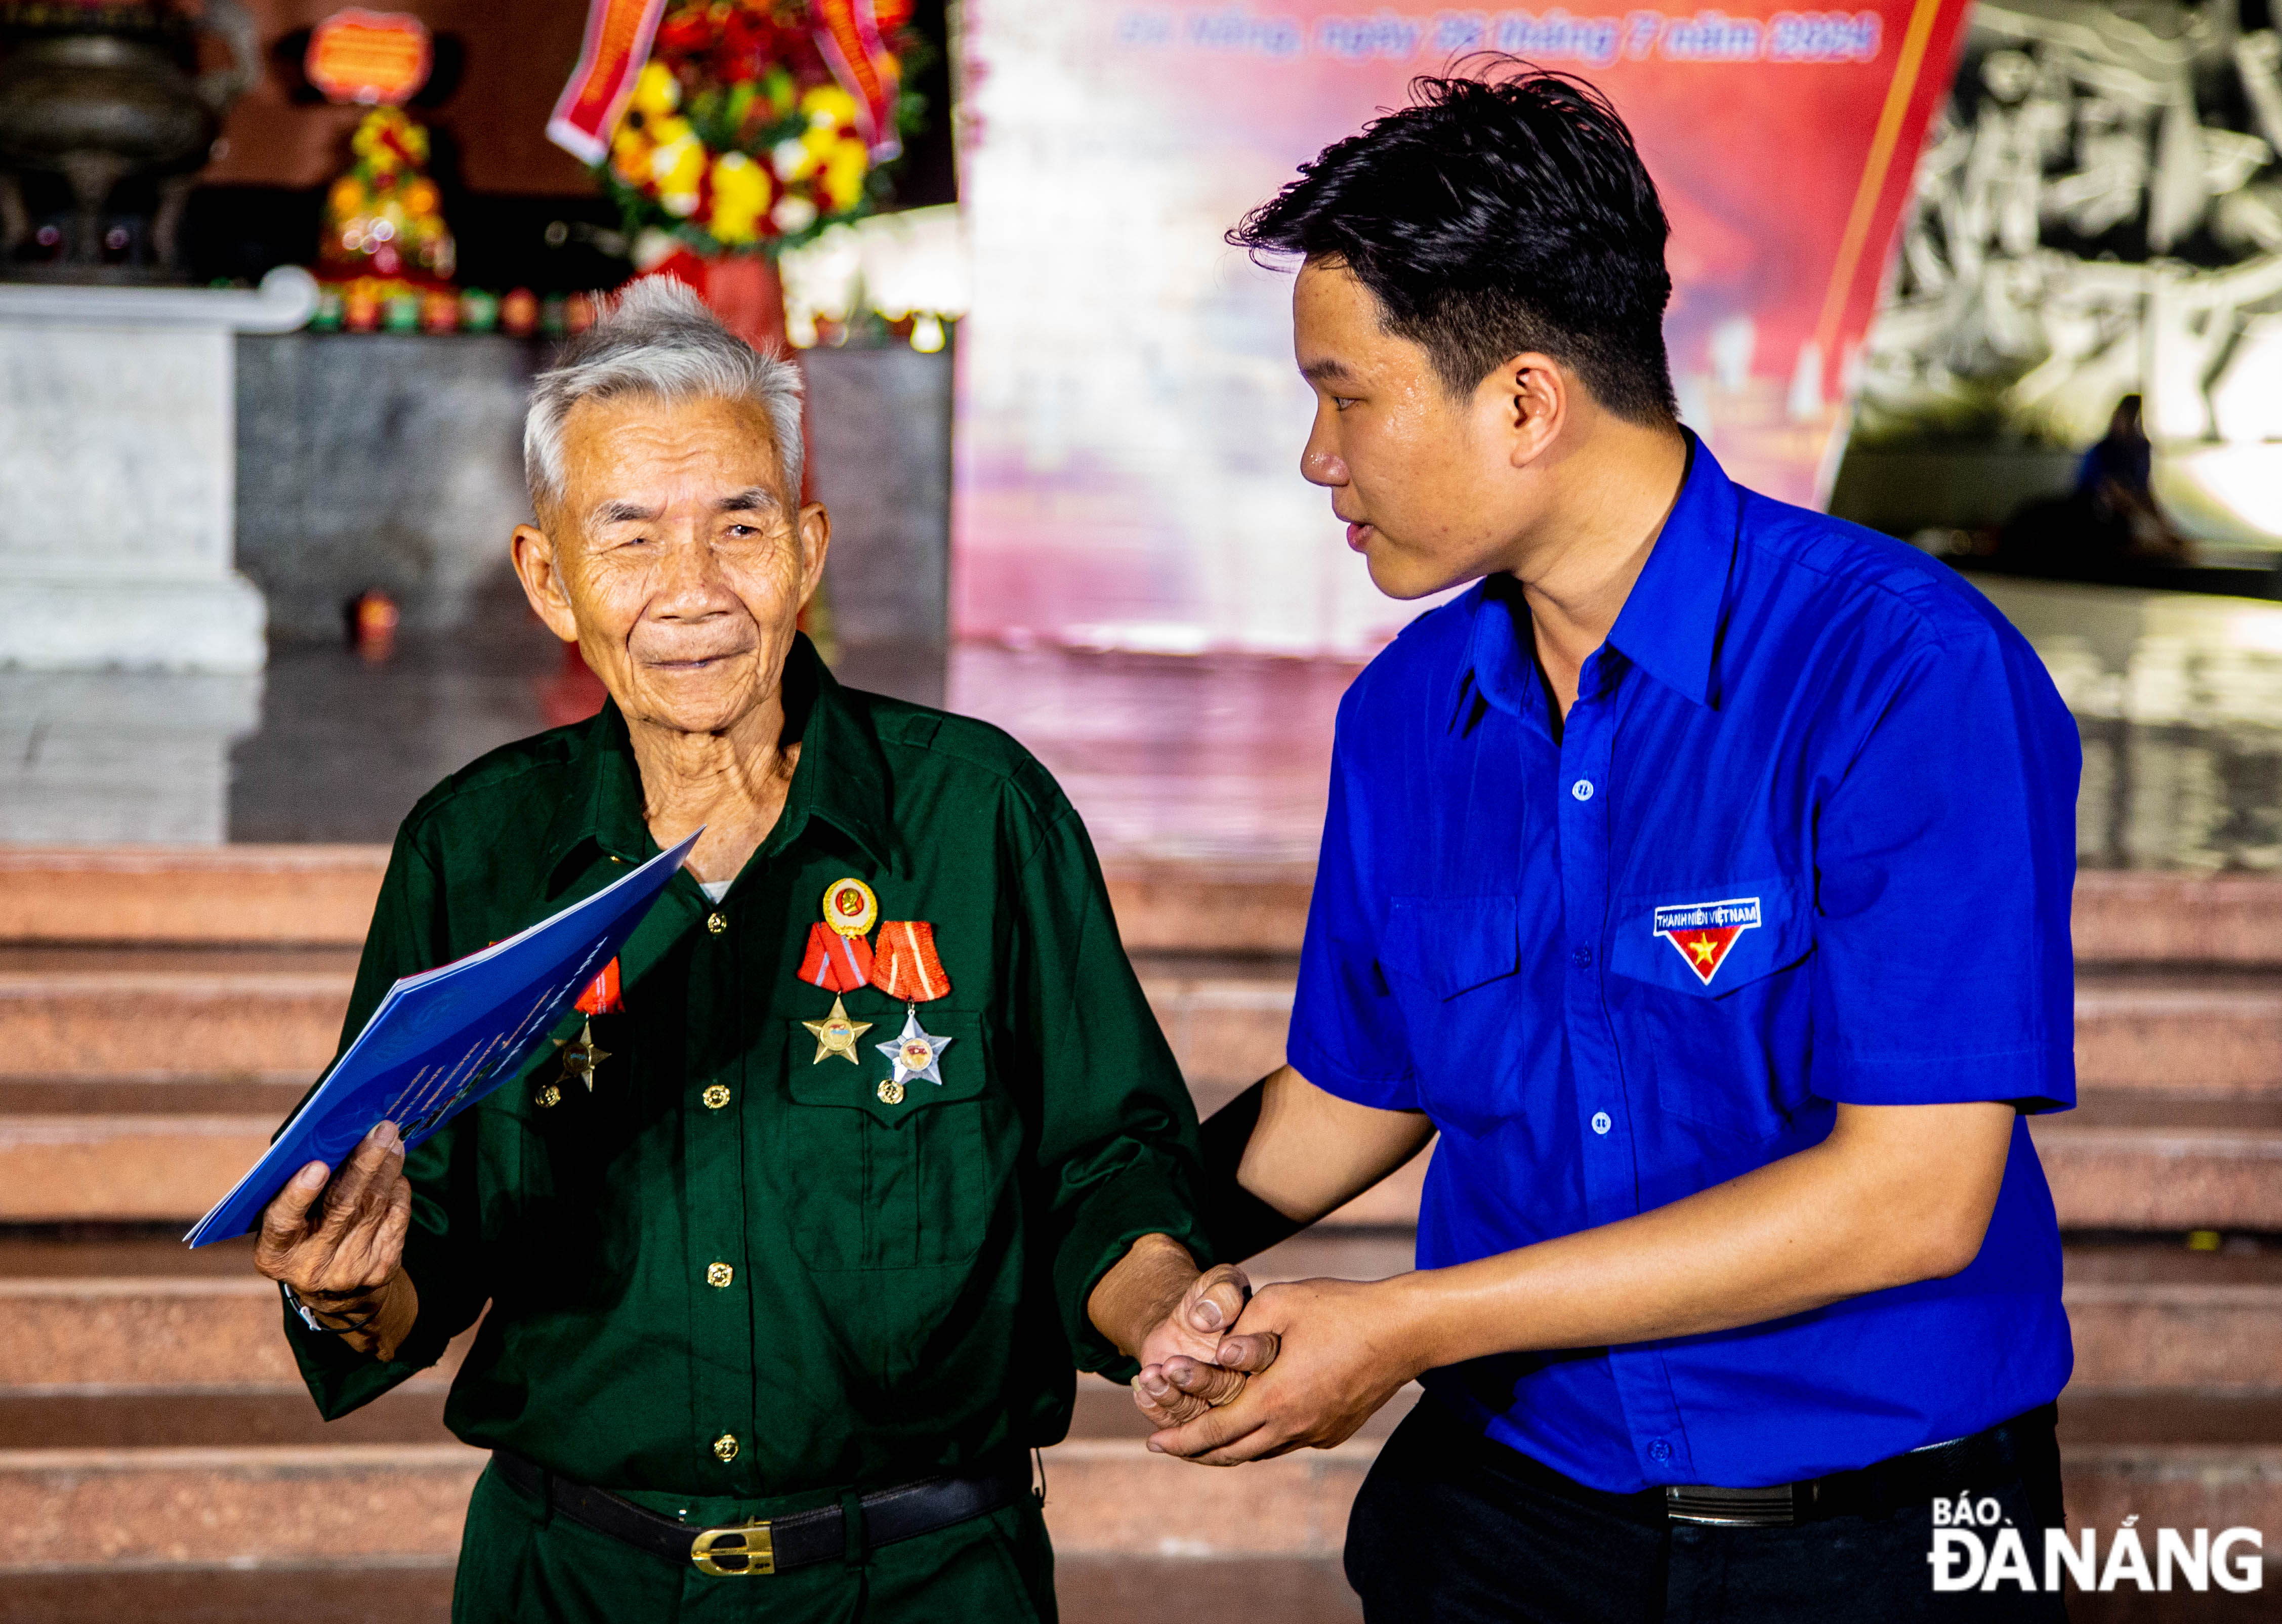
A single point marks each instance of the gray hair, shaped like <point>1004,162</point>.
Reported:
<point>657,338</point>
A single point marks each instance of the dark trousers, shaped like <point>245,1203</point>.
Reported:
<point>1454,1529</point>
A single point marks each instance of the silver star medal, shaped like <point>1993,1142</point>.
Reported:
<point>916,1053</point>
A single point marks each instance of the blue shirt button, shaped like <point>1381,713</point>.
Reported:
<point>1659,1451</point>
<point>1582,789</point>
<point>1582,958</point>
<point>1601,1122</point>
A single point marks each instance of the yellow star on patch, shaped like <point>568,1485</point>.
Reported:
<point>836,1034</point>
<point>1704,947</point>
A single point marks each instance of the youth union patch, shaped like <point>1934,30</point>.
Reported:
<point>1703,931</point>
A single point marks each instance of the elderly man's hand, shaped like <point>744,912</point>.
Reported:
<point>339,1245</point>
<point>1190,1363</point>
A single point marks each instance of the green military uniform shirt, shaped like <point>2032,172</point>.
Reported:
<point>736,1272</point>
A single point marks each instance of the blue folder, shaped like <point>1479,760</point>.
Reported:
<point>444,1038</point>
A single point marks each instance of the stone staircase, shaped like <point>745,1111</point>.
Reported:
<point>159,1011</point>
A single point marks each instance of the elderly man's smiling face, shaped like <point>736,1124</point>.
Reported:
<point>675,558</point>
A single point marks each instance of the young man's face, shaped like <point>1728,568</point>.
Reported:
<point>1422,478</point>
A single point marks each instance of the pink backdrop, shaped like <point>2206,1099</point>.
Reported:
<point>1130,422</point>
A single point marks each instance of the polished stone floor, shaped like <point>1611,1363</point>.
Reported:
<point>2179,697</point>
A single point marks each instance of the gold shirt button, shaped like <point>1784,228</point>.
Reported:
<point>719,1274</point>
<point>717,922</point>
<point>890,1094</point>
<point>725,1448</point>
<point>716,1097</point>
<point>549,1095</point>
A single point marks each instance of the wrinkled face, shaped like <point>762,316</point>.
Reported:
<point>1420,476</point>
<point>678,562</point>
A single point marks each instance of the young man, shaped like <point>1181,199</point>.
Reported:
<point>1702,876</point>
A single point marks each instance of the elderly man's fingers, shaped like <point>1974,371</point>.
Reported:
<point>1248,1350</point>
<point>361,1182</point>
<point>345,1200</point>
<point>1162,1403</point>
<point>1216,1297</point>
<point>285,1221</point>
<point>1210,1383</point>
<point>370,1251</point>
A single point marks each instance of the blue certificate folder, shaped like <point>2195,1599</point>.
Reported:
<point>444,1038</point>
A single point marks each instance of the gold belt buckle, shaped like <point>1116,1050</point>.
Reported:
<point>747,1543</point>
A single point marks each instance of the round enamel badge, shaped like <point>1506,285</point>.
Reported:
<point>849,907</point>
<point>917,1055</point>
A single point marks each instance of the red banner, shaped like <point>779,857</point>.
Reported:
<point>848,34</point>
<point>1783,140</point>
<point>618,44</point>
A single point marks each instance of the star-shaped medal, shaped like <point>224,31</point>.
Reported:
<point>580,1059</point>
<point>836,1034</point>
<point>916,1053</point>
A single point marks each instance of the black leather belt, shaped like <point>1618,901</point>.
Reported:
<point>2018,1447</point>
<point>768,1545</point>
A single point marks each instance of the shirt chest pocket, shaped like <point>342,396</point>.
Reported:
<point>880,1175</point>
<point>1451,962</point>
<point>1710,941</point>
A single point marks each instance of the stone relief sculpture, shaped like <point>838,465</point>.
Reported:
<point>2099,212</point>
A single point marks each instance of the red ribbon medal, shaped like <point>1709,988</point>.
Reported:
<point>839,959</point>
<point>906,965</point>
<point>835,962</point>
<point>602,997</point>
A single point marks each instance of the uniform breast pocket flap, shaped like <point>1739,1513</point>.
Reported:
<point>1710,940</point>
<point>1452,944</point>
<point>891,1095</point>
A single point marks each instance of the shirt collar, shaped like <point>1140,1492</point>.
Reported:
<point>841,779</point>
<point>1669,626</point>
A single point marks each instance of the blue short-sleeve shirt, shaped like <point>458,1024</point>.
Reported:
<point>1807,836</point>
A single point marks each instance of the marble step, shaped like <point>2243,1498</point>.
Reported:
<point>278,894</point>
<point>156,1014</point>
<point>248,1506</point>
<point>154,1168</point>
<point>138,1344</point>
<point>214,1015</point>
<point>2161,1179</point>
<point>203,896</point>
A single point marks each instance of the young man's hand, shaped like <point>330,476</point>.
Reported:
<point>1340,1349</point>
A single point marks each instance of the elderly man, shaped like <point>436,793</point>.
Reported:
<point>744,1259</point>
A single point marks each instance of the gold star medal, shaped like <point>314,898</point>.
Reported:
<point>836,1034</point>
<point>580,1059</point>
<point>602,997</point>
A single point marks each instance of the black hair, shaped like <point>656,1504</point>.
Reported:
<point>1504,210</point>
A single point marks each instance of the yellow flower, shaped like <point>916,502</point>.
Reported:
<point>630,156</point>
<point>657,91</point>
<point>420,196</point>
<point>828,107</point>
<point>740,197</point>
<point>345,198</point>
<point>665,132</point>
<point>794,159</point>
<point>844,174</point>
<point>678,166</point>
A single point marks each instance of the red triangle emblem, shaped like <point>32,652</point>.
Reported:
<point>1705,948</point>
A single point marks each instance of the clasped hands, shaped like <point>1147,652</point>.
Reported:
<point>1233,1376</point>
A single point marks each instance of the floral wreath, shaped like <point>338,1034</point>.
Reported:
<point>743,132</point>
